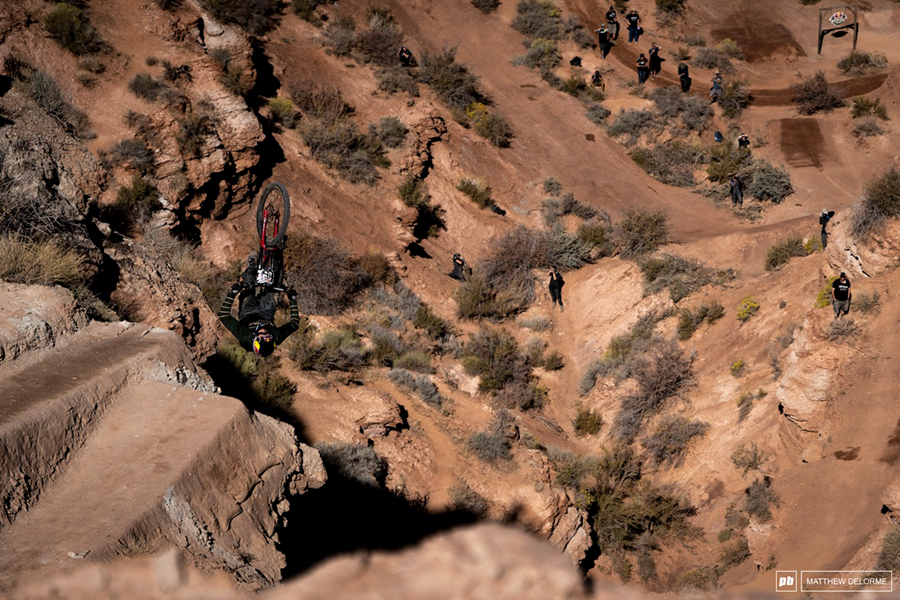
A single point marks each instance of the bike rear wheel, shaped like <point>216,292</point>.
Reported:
<point>273,205</point>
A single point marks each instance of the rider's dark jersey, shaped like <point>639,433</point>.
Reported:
<point>244,332</point>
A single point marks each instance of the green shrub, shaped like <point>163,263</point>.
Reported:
<point>641,232</point>
<point>889,557</point>
<point>731,48</point>
<point>490,447</point>
<point>538,19</point>
<point>255,16</point>
<point>860,63</point>
<point>354,462</point>
<point>490,125</point>
<point>881,201</point>
<point>668,444</point>
<point>67,25</point>
<point>681,276</point>
<point>476,298</point>
<point>494,356</point>
<point>283,112</point>
<point>587,421</point>
<point>672,163</point>
<point>634,123</point>
<point>689,321</point>
<point>265,384</point>
<point>434,326</point>
<point>396,79</point>
<point>823,298</point>
<point>735,97</point>
<point>334,350</point>
<point>415,360</point>
<point>783,251</point>
<point>737,368</point>
<point>814,94</point>
<point>552,186</point>
<point>725,160</point>
<point>486,6</point>
<point>868,107</point>
<point>543,54</point>
<point>451,81</point>
<point>134,152</point>
<point>747,309</point>
<point>39,262</point>
<point>477,190</point>
<point>759,497</point>
<point>749,458</point>
<point>421,385</point>
<point>236,80</point>
<point>576,86</point>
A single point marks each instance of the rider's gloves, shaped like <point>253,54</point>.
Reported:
<point>291,293</point>
<point>236,287</point>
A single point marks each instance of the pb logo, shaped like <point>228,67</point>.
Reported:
<point>785,581</point>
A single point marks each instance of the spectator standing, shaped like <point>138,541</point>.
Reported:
<point>737,191</point>
<point>603,41</point>
<point>716,90</point>
<point>642,70</point>
<point>655,60</point>
<point>841,295</point>
<point>611,23</point>
<point>824,217</point>
<point>555,287</point>
<point>634,26</point>
<point>743,141</point>
<point>460,269</point>
<point>685,77</point>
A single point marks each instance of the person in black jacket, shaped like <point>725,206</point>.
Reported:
<point>634,26</point>
<point>823,221</point>
<point>841,295</point>
<point>460,269</point>
<point>642,71</point>
<point>555,287</point>
<point>685,77</point>
<point>255,328</point>
<point>611,23</point>
<point>603,41</point>
<point>655,60</point>
<point>737,190</point>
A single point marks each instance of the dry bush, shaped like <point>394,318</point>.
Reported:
<point>867,303</point>
<point>868,107</point>
<point>67,25</point>
<point>745,404</point>
<point>283,112</point>
<point>521,395</point>
<point>641,232</point>
<point>635,123</point>
<point>254,16</point>
<point>397,79</point>
<point>577,87</point>
<point>672,164</point>
<point>464,498</point>
<point>490,125</point>
<point>860,63</point>
<point>477,190</point>
<point>92,64</point>
<point>734,554</point>
<point>867,127</point>
<point>712,58</point>
<point>261,380</point>
<point>725,160</point>
<point>334,350</point>
<point>889,556</point>
<point>843,328</point>
<point>134,205</point>
<point>767,182</point>
<point>542,53</point>
<point>552,186</point>
<point>328,279</point>
<point>434,326</point>
<point>451,81</point>
<point>619,355</point>
<point>783,251</point>
<point>689,321</point>
<point>538,19</point>
<point>596,112</point>
<point>881,201</point>
<point>421,385</point>
<point>814,94</point>
<point>134,152</point>
<point>554,209</point>
<point>554,361</point>
<point>749,458</point>
<point>731,49</point>
<point>340,36</point>
<point>390,130</point>
<point>735,97</point>
<point>194,129</point>
<point>681,276</point>
<point>44,90</point>
<point>587,421</point>
<point>537,323</point>
<point>143,85</point>
<point>490,447</point>
<point>494,356</point>
<point>39,262</point>
<point>378,42</point>
<point>486,6</point>
<point>236,80</point>
<point>668,444</point>
<point>354,462</point>
<point>670,6</point>
<point>759,498</point>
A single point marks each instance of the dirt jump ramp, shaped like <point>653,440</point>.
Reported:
<point>112,444</point>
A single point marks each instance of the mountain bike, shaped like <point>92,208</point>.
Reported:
<point>272,216</point>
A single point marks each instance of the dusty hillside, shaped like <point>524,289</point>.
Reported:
<point>206,113</point>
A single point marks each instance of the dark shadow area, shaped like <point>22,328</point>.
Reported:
<point>5,84</point>
<point>267,85</point>
<point>345,515</point>
<point>417,251</point>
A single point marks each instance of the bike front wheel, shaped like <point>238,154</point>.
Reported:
<point>272,215</point>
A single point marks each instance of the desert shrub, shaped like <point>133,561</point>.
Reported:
<point>354,462</point>
<point>552,186</point>
<point>134,205</point>
<point>553,361</point>
<point>867,127</point>
<point>415,360</point>
<point>725,160</point>
<point>734,554</point>
<point>668,444</point>
<point>490,125</point>
<point>92,64</point>
<point>477,190</point>
<point>537,323</point>
<point>868,107</point>
<point>486,6</point>
<point>434,326</point>
<point>866,303</point>
<point>378,42</point>
<point>464,498</point>
<point>735,97</point>
<point>749,458</point>
<point>143,85</point>
<point>641,232</point>
<point>860,63</point>
<point>168,4</point>
<point>334,350</point>
<point>174,73</point>
<point>489,447</point>
<point>634,123</point>
<point>542,54</point>
<point>618,358</point>
<point>759,497</point>
<point>670,6</point>
<point>42,262</point>
<point>283,112</point>
<point>889,556</point>
<point>581,36</point>
<point>236,80</point>
<point>587,421</point>
<point>67,25</point>
<point>705,579</point>
<point>747,309</point>
<point>477,298</point>
<point>737,368</point>
<point>391,131</point>
<point>132,151</point>
<point>712,58</point>
<point>669,100</point>
<point>396,79</point>
<point>340,36</point>
<point>44,90</point>
<point>420,385</point>
<point>672,164</point>
<point>783,251</point>
<point>596,112</point>
<point>451,81</point>
<point>264,384</point>
<point>881,201</point>
<point>661,373</point>
<point>193,130</point>
<point>538,19</point>
<point>696,113</point>
<point>768,182</point>
<point>255,16</point>
<point>330,279</point>
<point>814,94</point>
<point>554,209</point>
<point>521,395</point>
<point>429,218</point>
<point>731,48</point>
<point>843,328</point>
<point>576,86</point>
<point>681,54</point>
<point>494,356</point>
<point>680,276</point>
<point>689,321</point>
<point>745,405</point>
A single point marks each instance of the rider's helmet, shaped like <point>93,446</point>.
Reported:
<point>263,341</point>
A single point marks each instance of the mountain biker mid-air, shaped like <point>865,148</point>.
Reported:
<point>255,326</point>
